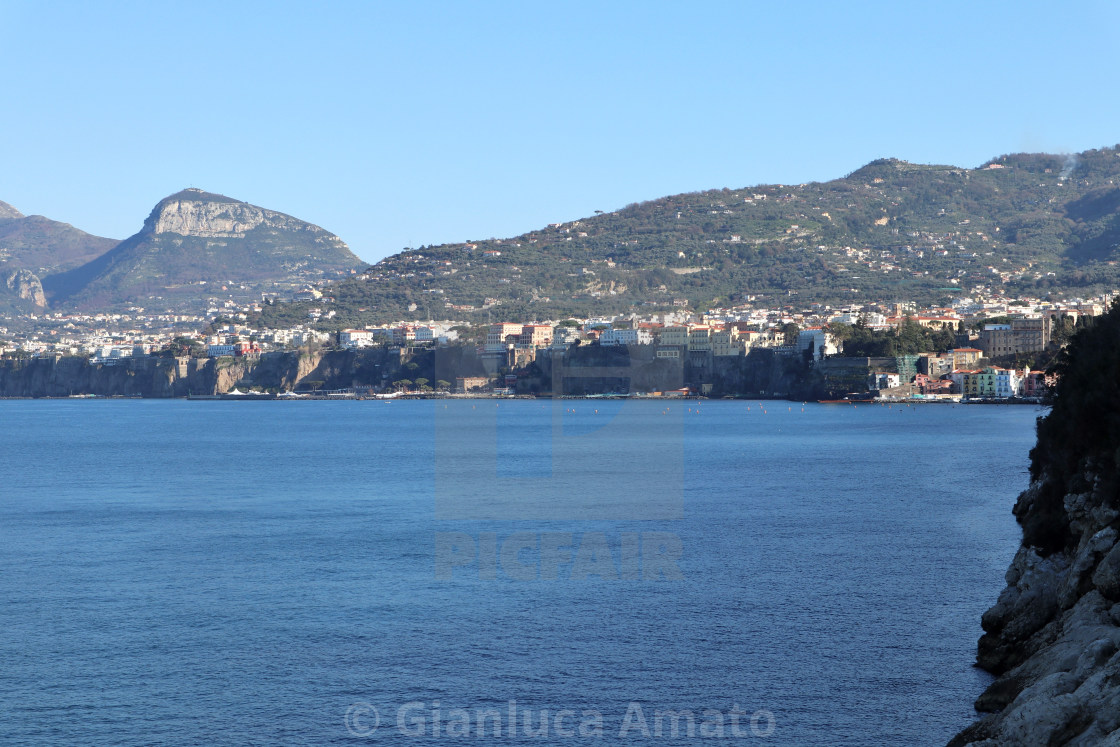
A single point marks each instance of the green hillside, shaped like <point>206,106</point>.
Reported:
<point>44,246</point>
<point>1025,224</point>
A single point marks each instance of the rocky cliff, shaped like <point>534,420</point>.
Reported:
<point>196,213</point>
<point>196,243</point>
<point>149,376</point>
<point>24,285</point>
<point>1053,636</point>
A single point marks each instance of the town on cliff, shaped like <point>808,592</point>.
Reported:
<point>974,349</point>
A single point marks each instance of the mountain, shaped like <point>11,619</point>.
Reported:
<point>196,244</point>
<point>32,247</point>
<point>1028,224</point>
<point>7,211</point>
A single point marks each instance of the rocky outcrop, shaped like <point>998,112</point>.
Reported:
<point>193,212</point>
<point>193,241</point>
<point>1053,636</point>
<point>25,286</point>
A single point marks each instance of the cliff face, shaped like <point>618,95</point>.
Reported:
<point>25,286</point>
<point>188,215</point>
<point>179,377</point>
<point>1053,637</point>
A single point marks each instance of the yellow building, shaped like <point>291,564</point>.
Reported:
<point>964,358</point>
<point>673,336</point>
<point>726,342</point>
<point>700,338</point>
<point>536,335</point>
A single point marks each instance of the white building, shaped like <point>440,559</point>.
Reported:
<point>817,340</point>
<point>355,338</point>
<point>884,381</point>
<point>626,337</point>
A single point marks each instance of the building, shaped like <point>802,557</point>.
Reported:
<point>673,335</point>
<point>700,339</point>
<point>355,338</point>
<point>625,337</point>
<point>1026,335</point>
<point>930,385</point>
<point>501,335</point>
<point>535,336</point>
<point>1035,383</point>
<point>964,358</point>
<point>467,384</point>
<point>881,380</point>
<point>965,383</point>
<point>817,340</point>
<point>563,337</point>
<point>726,342</point>
<point>934,365</point>
<point>937,322</point>
<point>987,383</point>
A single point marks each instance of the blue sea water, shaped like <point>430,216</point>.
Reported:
<point>178,572</point>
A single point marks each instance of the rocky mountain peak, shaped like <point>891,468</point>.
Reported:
<point>193,238</point>
<point>7,211</point>
<point>194,212</point>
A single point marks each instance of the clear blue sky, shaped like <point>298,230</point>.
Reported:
<point>410,123</point>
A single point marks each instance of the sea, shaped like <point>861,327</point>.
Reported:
<point>499,571</point>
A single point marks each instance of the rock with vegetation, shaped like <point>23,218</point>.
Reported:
<point>1053,637</point>
<point>23,285</point>
<point>195,244</point>
<point>34,247</point>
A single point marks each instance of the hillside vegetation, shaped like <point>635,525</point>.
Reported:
<point>1026,224</point>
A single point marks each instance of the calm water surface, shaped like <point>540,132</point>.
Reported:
<point>243,573</point>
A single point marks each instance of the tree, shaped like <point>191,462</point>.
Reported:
<point>183,346</point>
<point>442,385</point>
<point>402,384</point>
<point>421,382</point>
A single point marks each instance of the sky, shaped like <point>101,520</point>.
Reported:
<point>405,124</point>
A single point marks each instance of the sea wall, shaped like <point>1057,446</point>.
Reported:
<point>1053,636</point>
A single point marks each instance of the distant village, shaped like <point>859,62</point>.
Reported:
<point>964,371</point>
